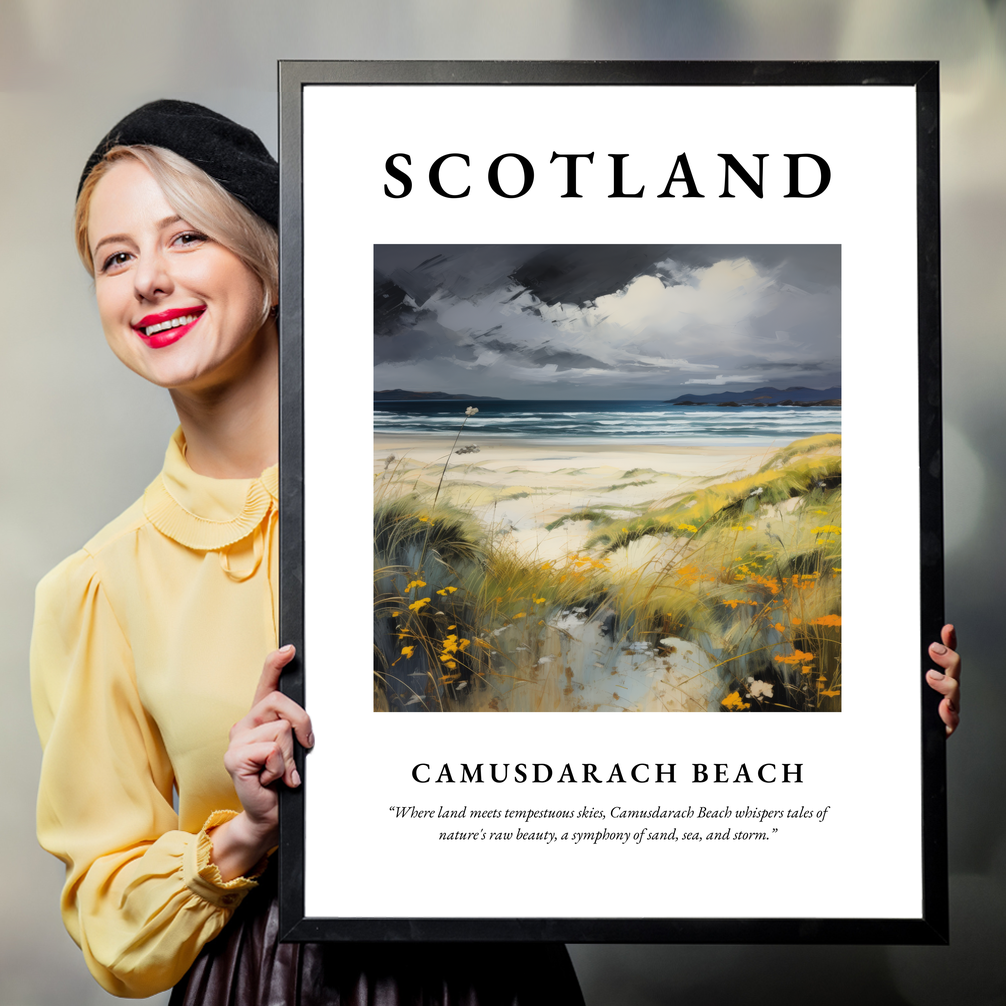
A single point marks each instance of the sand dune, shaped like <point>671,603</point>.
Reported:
<point>520,486</point>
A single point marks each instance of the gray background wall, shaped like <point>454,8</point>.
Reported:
<point>81,436</point>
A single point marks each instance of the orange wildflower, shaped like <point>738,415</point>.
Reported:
<point>796,657</point>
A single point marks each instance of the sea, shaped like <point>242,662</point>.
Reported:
<point>597,421</point>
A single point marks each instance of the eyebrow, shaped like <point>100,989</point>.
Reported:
<point>111,238</point>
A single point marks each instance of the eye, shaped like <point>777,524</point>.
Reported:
<point>189,239</point>
<point>115,261</point>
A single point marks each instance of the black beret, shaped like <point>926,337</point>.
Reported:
<point>230,154</point>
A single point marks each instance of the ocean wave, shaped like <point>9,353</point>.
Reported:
<point>608,421</point>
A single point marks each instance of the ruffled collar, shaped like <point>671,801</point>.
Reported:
<point>203,513</point>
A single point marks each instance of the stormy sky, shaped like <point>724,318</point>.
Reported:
<point>605,321</point>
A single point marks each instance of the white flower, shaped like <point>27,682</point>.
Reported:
<point>470,411</point>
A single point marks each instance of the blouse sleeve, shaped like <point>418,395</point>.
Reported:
<point>141,898</point>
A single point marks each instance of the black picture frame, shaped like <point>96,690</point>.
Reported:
<point>931,926</point>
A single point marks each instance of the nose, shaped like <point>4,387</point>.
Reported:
<point>152,276</point>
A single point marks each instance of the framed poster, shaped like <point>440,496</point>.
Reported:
<point>593,368</point>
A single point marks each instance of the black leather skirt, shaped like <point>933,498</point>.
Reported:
<point>246,965</point>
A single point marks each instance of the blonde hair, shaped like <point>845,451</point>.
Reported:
<point>199,200</point>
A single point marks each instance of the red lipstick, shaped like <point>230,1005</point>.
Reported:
<point>166,327</point>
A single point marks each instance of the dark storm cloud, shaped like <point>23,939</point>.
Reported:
<point>575,274</point>
<point>527,320</point>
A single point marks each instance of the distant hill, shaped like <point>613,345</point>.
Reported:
<point>400,395</point>
<point>761,396</point>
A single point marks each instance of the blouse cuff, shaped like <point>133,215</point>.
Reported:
<point>202,876</point>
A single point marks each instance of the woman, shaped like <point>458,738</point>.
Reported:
<point>148,643</point>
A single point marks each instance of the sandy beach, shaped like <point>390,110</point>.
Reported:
<point>520,486</point>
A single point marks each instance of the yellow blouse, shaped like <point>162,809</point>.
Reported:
<point>147,647</point>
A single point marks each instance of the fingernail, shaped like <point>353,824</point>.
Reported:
<point>295,777</point>
<point>310,740</point>
<point>936,675</point>
<point>938,648</point>
<point>287,649</point>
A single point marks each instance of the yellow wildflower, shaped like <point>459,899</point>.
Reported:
<point>416,605</point>
<point>407,651</point>
<point>766,581</point>
<point>827,620</point>
<point>734,702</point>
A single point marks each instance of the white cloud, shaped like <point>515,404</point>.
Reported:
<point>646,324</point>
<point>720,379</point>
<point>656,361</point>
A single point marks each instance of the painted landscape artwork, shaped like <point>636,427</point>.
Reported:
<point>607,478</point>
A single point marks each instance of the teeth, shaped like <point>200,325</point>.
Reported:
<point>174,323</point>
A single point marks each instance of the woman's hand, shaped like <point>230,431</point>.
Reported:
<point>947,682</point>
<point>260,753</point>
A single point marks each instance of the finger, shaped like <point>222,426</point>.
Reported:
<point>944,684</point>
<point>271,670</point>
<point>950,715</point>
<point>949,660</point>
<point>949,708</point>
<point>274,766</point>
<point>278,732</point>
<point>261,761</point>
<point>949,636</point>
<point>275,706</point>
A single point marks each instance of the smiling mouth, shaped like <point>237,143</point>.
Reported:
<point>165,324</point>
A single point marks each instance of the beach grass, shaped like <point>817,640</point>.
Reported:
<point>724,595</point>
